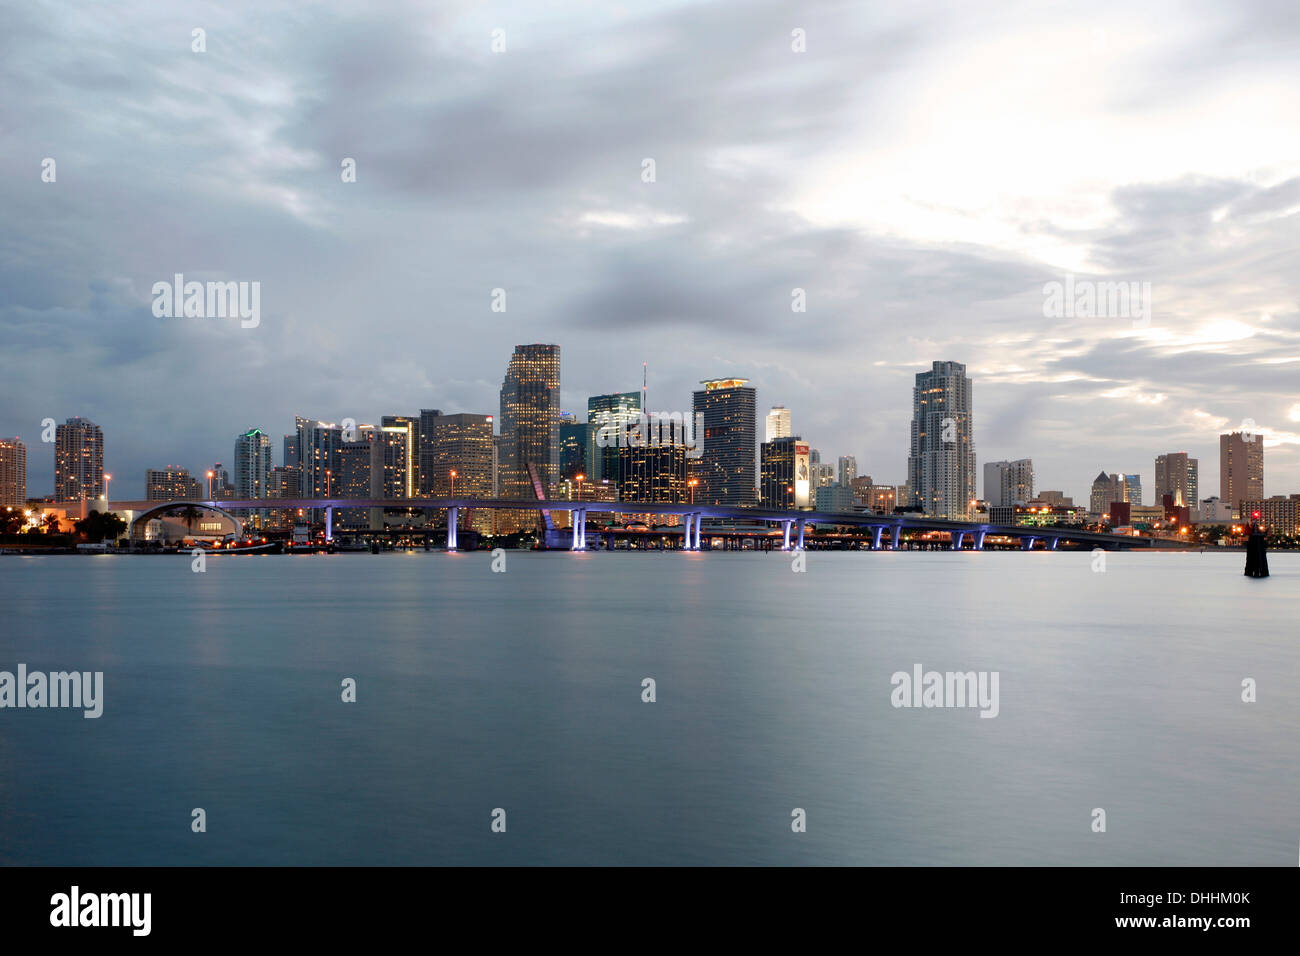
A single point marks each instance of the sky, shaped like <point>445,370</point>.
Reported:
<point>922,171</point>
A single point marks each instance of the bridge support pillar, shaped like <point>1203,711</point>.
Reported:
<point>688,543</point>
<point>1028,543</point>
<point>897,536</point>
<point>1052,542</point>
<point>452,514</point>
<point>876,532</point>
<point>801,526</point>
<point>785,535</point>
<point>579,518</point>
<point>699,520</point>
<point>979,539</point>
<point>329,524</point>
<point>957,538</point>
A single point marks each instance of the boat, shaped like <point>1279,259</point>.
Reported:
<point>247,546</point>
<point>301,542</point>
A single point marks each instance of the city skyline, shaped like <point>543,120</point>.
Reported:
<point>917,225</point>
<point>404,450</point>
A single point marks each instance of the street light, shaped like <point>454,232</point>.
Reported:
<point>579,479</point>
<point>107,479</point>
<point>453,482</point>
<point>327,482</point>
<point>691,484</point>
<point>209,486</point>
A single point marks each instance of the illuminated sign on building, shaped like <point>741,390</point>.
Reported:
<point>801,480</point>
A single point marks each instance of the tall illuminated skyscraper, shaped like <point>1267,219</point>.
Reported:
<point>728,465</point>
<point>427,417</point>
<point>252,464</point>
<point>461,443</point>
<point>401,439</point>
<point>78,460</point>
<point>530,420</point>
<point>608,419</point>
<point>13,473</point>
<point>941,466</point>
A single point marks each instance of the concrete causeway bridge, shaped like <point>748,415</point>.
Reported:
<point>886,529</point>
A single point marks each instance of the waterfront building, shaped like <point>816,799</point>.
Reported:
<point>1277,515</point>
<point>252,464</point>
<point>1241,467</point>
<point>727,471</point>
<point>784,473</point>
<point>13,473</point>
<point>941,463</point>
<point>78,461</point>
<point>530,428</point>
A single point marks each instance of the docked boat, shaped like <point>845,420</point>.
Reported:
<point>247,546</point>
<point>301,542</point>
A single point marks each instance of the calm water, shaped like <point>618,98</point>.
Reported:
<point>522,690</point>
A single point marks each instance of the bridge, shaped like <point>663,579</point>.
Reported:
<point>792,523</point>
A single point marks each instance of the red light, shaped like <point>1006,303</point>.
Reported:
<point>1255,514</point>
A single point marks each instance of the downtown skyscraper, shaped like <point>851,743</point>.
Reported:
<point>13,473</point>
<point>728,466</point>
<point>252,464</point>
<point>459,443</point>
<point>530,420</point>
<point>941,465</point>
<point>78,461</point>
<point>608,419</point>
<point>1177,476</point>
<point>1241,468</point>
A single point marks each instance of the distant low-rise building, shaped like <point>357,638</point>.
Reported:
<point>1055,499</point>
<point>835,498</point>
<point>1043,515</point>
<point>1277,515</point>
<point>1216,511</point>
<point>171,483</point>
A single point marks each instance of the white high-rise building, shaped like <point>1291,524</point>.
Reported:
<point>848,470</point>
<point>941,465</point>
<point>778,423</point>
<point>252,464</point>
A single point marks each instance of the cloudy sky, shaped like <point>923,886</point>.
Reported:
<point>921,169</point>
